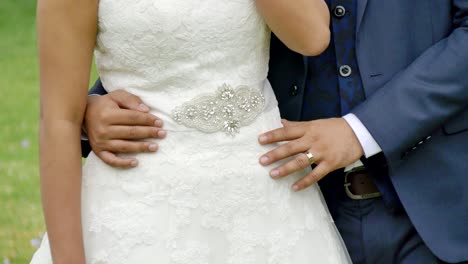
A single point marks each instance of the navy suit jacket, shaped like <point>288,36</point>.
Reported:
<point>413,60</point>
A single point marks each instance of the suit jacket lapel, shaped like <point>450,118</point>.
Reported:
<point>361,8</point>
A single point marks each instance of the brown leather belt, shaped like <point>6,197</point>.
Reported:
<point>359,185</point>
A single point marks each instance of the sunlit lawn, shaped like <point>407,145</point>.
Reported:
<point>20,208</point>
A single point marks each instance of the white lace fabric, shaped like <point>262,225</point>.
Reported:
<point>202,198</point>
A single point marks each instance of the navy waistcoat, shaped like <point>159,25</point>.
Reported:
<point>334,86</point>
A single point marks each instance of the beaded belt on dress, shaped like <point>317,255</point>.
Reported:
<point>227,110</point>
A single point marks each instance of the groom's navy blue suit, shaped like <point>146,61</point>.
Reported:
<point>413,62</point>
<point>410,90</point>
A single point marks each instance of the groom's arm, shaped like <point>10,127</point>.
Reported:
<point>97,89</point>
<point>406,110</point>
<point>423,97</point>
<point>115,123</point>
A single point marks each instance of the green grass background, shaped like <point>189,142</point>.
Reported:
<point>20,206</point>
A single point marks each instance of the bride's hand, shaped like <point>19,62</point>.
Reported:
<point>114,122</point>
<point>332,143</point>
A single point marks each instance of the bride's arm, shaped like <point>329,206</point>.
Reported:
<point>302,25</point>
<point>66,37</point>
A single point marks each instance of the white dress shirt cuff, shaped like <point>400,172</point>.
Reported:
<point>84,135</point>
<point>356,164</point>
<point>368,143</point>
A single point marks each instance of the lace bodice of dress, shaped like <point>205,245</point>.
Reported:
<point>177,49</point>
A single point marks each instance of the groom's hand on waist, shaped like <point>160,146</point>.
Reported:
<point>115,122</point>
<point>329,143</point>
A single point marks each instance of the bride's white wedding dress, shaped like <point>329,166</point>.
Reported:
<point>203,198</point>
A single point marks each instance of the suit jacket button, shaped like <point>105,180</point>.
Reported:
<point>339,11</point>
<point>294,90</point>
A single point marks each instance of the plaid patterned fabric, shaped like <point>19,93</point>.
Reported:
<point>329,94</point>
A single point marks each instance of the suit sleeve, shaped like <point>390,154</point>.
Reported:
<point>422,97</point>
<point>97,89</point>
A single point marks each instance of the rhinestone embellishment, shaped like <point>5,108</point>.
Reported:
<point>227,110</point>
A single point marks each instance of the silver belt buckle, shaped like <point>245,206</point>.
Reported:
<point>358,196</point>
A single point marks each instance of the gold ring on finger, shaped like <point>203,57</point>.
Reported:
<point>310,157</point>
